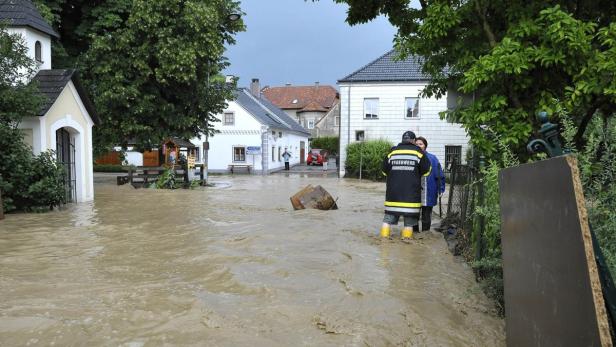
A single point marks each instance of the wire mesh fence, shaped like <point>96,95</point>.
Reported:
<point>461,194</point>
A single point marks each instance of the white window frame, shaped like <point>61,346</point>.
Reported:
<point>337,121</point>
<point>372,110</point>
<point>233,153</point>
<point>224,118</point>
<point>362,137</point>
<point>310,124</point>
<point>406,109</point>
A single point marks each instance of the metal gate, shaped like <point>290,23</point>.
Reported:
<point>65,151</point>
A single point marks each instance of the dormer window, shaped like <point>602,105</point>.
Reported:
<point>37,52</point>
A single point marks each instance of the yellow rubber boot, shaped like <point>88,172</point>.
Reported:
<point>385,231</point>
<point>407,233</point>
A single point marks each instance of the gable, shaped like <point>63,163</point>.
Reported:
<point>68,105</point>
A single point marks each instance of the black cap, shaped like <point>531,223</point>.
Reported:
<point>408,136</point>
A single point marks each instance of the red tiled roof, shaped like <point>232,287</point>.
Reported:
<point>313,106</point>
<point>323,96</point>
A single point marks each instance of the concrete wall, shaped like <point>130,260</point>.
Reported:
<point>391,122</point>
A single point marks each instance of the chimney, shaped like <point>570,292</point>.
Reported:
<point>255,88</point>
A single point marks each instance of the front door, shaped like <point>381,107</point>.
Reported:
<point>302,152</point>
<point>65,151</point>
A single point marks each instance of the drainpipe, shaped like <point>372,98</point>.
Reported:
<point>348,123</point>
<point>264,149</point>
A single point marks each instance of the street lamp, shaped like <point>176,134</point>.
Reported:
<point>232,17</point>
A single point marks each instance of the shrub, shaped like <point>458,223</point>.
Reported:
<point>370,154</point>
<point>109,168</point>
<point>28,182</point>
<point>329,143</point>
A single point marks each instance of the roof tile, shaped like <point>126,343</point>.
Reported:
<point>387,68</point>
<point>24,13</point>
<point>298,97</point>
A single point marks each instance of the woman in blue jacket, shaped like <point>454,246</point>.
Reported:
<point>432,186</point>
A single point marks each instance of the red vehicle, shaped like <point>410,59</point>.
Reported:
<point>314,157</point>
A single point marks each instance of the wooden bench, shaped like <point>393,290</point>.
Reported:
<point>232,167</point>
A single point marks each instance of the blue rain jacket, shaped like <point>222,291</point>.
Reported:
<point>434,183</point>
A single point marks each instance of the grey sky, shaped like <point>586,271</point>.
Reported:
<point>300,42</point>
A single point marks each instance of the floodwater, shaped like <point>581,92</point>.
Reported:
<point>232,265</point>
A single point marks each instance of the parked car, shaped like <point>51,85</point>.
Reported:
<point>314,157</point>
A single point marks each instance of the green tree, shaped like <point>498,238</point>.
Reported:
<point>26,181</point>
<point>152,67</point>
<point>513,57</point>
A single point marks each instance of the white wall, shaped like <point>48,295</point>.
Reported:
<point>246,131</point>
<point>391,123</point>
<point>30,37</point>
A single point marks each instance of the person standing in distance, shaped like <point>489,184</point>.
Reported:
<point>286,155</point>
<point>404,167</point>
<point>432,185</point>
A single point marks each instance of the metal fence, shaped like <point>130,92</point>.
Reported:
<point>461,194</point>
<point>465,193</point>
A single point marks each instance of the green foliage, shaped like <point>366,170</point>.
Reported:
<point>329,143</point>
<point>109,168</point>
<point>152,67</point>
<point>17,97</point>
<point>166,181</point>
<point>370,154</point>
<point>508,60</point>
<point>27,182</point>
<point>597,165</point>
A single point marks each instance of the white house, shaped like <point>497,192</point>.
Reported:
<point>253,131</point>
<point>382,101</point>
<point>64,123</point>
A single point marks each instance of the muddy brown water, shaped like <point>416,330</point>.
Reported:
<point>232,265</point>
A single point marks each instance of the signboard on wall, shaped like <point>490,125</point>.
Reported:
<point>254,150</point>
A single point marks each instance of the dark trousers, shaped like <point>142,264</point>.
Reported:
<point>426,219</point>
<point>286,165</point>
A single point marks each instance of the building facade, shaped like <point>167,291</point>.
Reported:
<point>314,107</point>
<point>383,99</point>
<point>253,132</point>
<point>64,123</point>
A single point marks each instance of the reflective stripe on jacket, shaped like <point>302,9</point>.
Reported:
<point>404,167</point>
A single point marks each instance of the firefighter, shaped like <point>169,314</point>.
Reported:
<point>404,167</point>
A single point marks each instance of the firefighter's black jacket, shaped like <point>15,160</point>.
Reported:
<point>404,166</point>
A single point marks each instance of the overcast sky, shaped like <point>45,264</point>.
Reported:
<point>301,42</point>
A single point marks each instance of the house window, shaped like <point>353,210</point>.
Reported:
<point>337,121</point>
<point>371,108</point>
<point>411,107</point>
<point>239,153</point>
<point>453,155</point>
<point>37,52</point>
<point>229,118</point>
<point>359,135</point>
<point>273,153</point>
<point>274,133</point>
<point>280,134</point>
<point>311,124</point>
<point>197,154</point>
<point>279,152</point>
